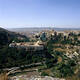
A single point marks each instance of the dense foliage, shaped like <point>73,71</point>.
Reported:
<point>63,66</point>
<point>60,65</point>
<point>17,57</point>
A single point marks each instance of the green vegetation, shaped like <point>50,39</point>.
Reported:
<point>53,56</point>
<point>61,65</point>
<point>44,74</point>
<point>16,57</point>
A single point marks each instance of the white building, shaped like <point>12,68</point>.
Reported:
<point>28,45</point>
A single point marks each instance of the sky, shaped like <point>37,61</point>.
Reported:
<point>39,13</point>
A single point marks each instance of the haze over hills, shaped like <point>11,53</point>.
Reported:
<point>32,30</point>
<point>40,29</point>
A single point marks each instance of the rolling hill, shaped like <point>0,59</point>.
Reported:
<point>7,36</point>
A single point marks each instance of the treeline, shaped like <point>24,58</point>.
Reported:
<point>10,57</point>
<point>71,38</point>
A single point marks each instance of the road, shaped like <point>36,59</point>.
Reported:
<point>14,69</point>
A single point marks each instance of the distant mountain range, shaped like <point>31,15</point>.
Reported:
<point>38,29</point>
<point>62,29</point>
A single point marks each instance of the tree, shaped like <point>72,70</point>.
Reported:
<point>44,74</point>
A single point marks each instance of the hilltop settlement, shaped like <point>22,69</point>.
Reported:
<point>40,55</point>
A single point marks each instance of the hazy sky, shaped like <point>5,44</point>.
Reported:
<point>38,13</point>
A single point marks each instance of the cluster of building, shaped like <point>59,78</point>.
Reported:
<point>71,55</point>
<point>28,45</point>
<point>46,34</point>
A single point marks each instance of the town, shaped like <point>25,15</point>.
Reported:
<point>41,55</point>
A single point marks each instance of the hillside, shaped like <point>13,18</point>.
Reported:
<point>7,36</point>
<point>59,58</point>
<point>12,57</point>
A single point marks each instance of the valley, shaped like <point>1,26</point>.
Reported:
<point>45,54</point>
